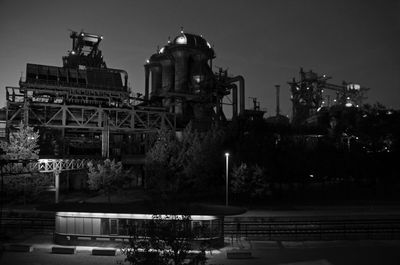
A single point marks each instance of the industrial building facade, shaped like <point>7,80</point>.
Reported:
<point>85,108</point>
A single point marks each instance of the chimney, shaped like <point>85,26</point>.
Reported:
<point>277,99</point>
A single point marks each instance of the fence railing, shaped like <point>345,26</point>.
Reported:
<point>293,230</point>
<point>316,230</point>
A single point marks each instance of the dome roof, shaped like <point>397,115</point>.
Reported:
<point>188,40</point>
<point>192,40</point>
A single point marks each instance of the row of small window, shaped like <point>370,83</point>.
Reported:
<point>126,227</point>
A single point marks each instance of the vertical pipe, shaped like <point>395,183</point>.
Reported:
<point>105,138</point>
<point>241,91</point>
<point>277,99</point>
<point>227,180</point>
<point>219,109</point>
<point>146,82</point>
<point>234,102</point>
<point>239,79</point>
<point>26,109</point>
<point>57,184</point>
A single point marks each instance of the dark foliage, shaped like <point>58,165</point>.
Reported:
<point>166,240</point>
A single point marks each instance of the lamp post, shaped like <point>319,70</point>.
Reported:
<point>227,179</point>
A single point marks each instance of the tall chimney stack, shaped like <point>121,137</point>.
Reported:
<point>277,99</point>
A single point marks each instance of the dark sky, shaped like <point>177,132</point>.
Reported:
<point>265,41</point>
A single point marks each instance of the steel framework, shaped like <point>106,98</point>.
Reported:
<point>22,106</point>
<point>42,166</point>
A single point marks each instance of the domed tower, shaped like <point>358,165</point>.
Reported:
<point>182,79</point>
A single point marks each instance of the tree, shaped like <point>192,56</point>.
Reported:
<point>160,165</point>
<point>202,159</point>
<point>23,144</point>
<point>249,182</point>
<point>186,165</point>
<point>106,177</point>
<point>27,187</point>
<point>166,240</point>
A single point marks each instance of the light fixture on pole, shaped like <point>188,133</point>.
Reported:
<point>227,179</point>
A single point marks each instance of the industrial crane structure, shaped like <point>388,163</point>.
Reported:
<point>308,95</point>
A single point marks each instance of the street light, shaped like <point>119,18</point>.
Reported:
<point>226,178</point>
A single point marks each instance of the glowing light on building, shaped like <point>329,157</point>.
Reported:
<point>353,87</point>
<point>181,40</point>
<point>135,216</point>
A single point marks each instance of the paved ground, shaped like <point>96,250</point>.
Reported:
<point>263,253</point>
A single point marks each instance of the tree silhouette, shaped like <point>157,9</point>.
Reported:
<point>106,177</point>
<point>186,165</point>
<point>165,240</point>
<point>22,145</point>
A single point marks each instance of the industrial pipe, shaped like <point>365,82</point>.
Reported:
<point>239,79</point>
<point>146,81</point>
<point>277,99</point>
<point>156,81</point>
<point>234,101</point>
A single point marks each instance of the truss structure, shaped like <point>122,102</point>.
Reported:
<point>22,106</point>
<point>42,166</point>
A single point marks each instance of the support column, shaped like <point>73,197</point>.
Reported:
<point>105,138</point>
<point>146,82</point>
<point>57,184</point>
<point>26,110</point>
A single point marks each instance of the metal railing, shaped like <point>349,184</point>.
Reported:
<point>23,223</point>
<point>388,229</point>
<point>42,165</point>
<point>316,230</point>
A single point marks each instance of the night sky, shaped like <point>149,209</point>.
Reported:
<point>265,41</point>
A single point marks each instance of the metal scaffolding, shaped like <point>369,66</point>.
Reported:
<point>42,114</point>
<point>33,110</point>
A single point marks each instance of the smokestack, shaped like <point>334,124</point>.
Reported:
<point>277,99</point>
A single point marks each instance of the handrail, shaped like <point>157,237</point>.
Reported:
<point>42,166</point>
